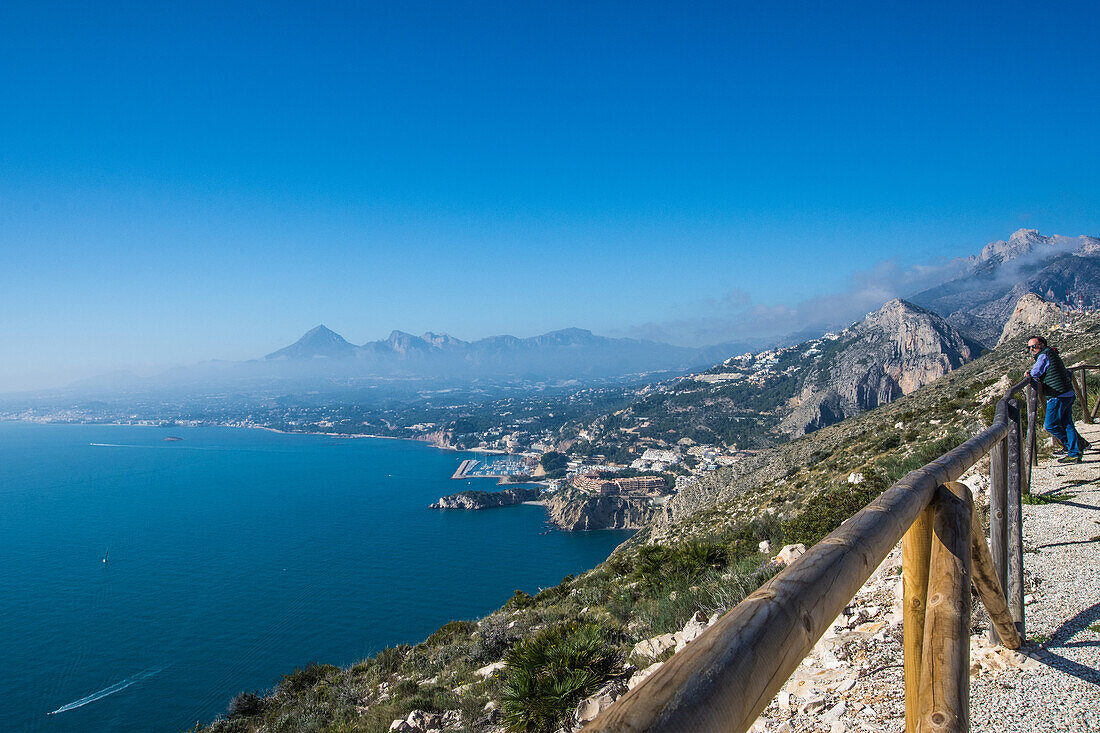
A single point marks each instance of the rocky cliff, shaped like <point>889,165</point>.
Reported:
<point>893,352</point>
<point>1032,315</point>
<point>487,499</point>
<point>1063,270</point>
<point>572,510</point>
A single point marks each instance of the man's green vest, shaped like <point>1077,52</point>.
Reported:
<point>1055,379</point>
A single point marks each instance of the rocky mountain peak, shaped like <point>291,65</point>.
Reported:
<point>892,352</point>
<point>1020,243</point>
<point>403,343</point>
<point>1032,314</point>
<point>318,342</point>
<point>442,340</point>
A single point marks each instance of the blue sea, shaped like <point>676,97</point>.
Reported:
<point>233,557</point>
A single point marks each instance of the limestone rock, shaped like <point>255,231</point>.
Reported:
<point>790,553</point>
<point>573,510</point>
<point>487,671</point>
<point>637,678</point>
<point>696,625</point>
<point>1032,315</point>
<point>893,352</point>
<point>656,646</point>
<point>589,708</point>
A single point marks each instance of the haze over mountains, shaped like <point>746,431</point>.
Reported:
<point>977,303</point>
<point>571,353</point>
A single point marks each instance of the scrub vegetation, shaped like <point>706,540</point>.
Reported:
<point>526,666</point>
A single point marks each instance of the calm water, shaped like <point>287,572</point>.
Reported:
<point>234,557</point>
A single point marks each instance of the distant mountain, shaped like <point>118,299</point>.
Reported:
<point>317,343</point>
<point>571,353</point>
<point>1061,270</point>
<point>892,352</point>
<point>754,400</point>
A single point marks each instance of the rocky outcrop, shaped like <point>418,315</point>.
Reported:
<point>1032,315</point>
<point>576,510</point>
<point>891,353</point>
<point>1063,270</point>
<point>437,438</point>
<point>487,499</point>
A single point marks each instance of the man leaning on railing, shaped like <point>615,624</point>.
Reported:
<point>1052,373</point>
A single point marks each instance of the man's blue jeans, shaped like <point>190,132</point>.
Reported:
<point>1059,422</point>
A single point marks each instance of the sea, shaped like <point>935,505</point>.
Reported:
<point>144,581</point>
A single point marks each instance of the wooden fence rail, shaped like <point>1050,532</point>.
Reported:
<point>1077,376</point>
<point>724,679</point>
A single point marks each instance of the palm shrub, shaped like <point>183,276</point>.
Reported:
<point>547,674</point>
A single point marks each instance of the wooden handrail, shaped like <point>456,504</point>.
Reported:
<point>724,679</point>
<point>1079,387</point>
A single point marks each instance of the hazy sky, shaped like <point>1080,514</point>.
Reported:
<point>184,181</point>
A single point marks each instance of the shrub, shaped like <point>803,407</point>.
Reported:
<point>451,632</point>
<point>546,675</point>
<point>245,705</point>
<point>301,680</point>
<point>519,600</point>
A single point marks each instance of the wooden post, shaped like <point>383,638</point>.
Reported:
<point>998,538</point>
<point>945,666</point>
<point>988,584</point>
<point>1014,519</point>
<point>1085,397</point>
<point>916,548</point>
<point>1030,442</point>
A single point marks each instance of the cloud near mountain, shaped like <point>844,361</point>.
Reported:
<point>1000,266</point>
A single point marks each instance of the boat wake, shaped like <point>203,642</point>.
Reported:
<point>116,687</point>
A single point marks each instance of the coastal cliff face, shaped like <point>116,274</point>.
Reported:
<point>891,353</point>
<point>487,499</point>
<point>437,438</point>
<point>574,510</point>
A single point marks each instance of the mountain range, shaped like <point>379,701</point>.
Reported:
<point>571,353</point>
<point>977,301</point>
<point>1061,270</point>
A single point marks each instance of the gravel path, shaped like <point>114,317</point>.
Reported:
<point>852,681</point>
<point>1062,574</point>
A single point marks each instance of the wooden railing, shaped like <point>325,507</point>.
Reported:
<point>724,679</point>
<point>1077,376</point>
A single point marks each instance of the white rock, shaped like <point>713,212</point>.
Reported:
<point>765,546</point>
<point>637,677</point>
<point>855,478</point>
<point>1029,599</point>
<point>421,720</point>
<point>790,553</point>
<point>401,725</point>
<point>593,706</point>
<point>838,727</point>
<point>834,713</point>
<point>696,625</point>
<point>487,671</point>
<point>813,706</point>
<point>656,646</point>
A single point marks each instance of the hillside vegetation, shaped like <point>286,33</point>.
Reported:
<point>527,665</point>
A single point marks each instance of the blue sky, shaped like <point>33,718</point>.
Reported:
<point>181,182</point>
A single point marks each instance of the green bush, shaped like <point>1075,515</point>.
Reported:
<point>546,675</point>
<point>518,601</point>
<point>301,680</point>
<point>451,632</point>
<point>245,705</point>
